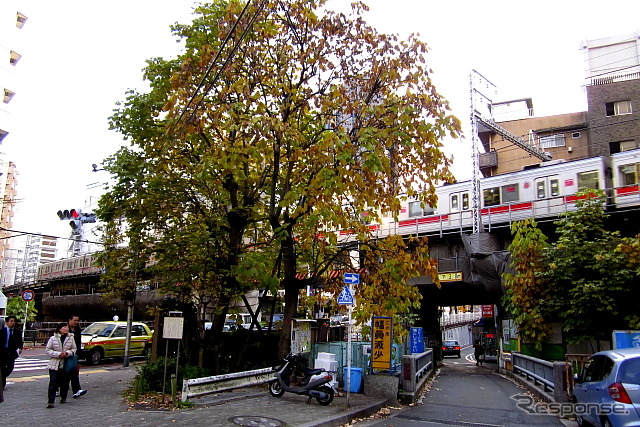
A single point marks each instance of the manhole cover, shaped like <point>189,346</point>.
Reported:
<point>248,420</point>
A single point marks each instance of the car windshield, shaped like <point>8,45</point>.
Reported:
<point>451,343</point>
<point>99,329</point>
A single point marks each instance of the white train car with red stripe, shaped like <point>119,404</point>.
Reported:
<point>625,167</point>
<point>69,267</point>
<point>541,192</point>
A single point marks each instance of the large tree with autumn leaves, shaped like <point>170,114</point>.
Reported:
<point>281,124</point>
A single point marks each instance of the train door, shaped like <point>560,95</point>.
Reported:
<point>460,209</point>
<point>548,199</point>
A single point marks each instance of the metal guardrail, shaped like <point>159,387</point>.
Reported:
<point>548,379</point>
<point>540,371</point>
<point>415,368</point>
<point>208,385</point>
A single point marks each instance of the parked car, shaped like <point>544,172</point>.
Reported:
<point>102,340</point>
<point>608,389</point>
<point>450,348</point>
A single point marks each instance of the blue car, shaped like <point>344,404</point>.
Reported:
<point>607,391</point>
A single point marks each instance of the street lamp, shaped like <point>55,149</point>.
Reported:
<point>96,169</point>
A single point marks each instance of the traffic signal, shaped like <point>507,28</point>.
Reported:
<point>76,217</point>
<point>69,214</point>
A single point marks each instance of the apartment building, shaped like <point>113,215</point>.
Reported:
<point>561,137</point>
<point>612,81</point>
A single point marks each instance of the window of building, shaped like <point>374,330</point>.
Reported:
<point>14,58</point>
<point>20,20</point>
<point>629,174</point>
<point>8,95</point>
<point>415,209</point>
<point>552,141</point>
<point>628,145</point>
<point>588,180</point>
<point>618,108</point>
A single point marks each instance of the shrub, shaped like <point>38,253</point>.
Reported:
<point>151,375</point>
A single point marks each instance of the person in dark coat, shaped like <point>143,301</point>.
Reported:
<point>74,328</point>
<point>478,352</point>
<point>10,347</point>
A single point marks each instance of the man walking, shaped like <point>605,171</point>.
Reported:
<point>10,347</point>
<point>75,375</point>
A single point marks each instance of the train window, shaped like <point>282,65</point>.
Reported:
<point>629,174</point>
<point>547,187</point>
<point>454,202</point>
<point>510,193</point>
<point>465,201</point>
<point>541,191</point>
<point>415,209</point>
<point>588,180</point>
<point>491,196</point>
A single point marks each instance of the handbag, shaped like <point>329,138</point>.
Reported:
<point>71,363</point>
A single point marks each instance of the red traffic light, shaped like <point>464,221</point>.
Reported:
<point>69,214</point>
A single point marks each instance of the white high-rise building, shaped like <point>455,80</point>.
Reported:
<point>12,21</point>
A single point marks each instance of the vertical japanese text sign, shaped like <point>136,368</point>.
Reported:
<point>417,342</point>
<point>381,335</point>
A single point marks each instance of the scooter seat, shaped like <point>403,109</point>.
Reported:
<point>309,372</point>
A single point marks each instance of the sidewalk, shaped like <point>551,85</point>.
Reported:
<point>103,405</point>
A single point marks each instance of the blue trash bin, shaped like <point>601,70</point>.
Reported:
<point>356,380</point>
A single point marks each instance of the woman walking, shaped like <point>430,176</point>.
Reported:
<point>60,346</point>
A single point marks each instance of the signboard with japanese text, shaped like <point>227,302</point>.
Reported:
<point>417,340</point>
<point>487,311</point>
<point>381,345</point>
<point>173,327</point>
<point>626,339</point>
<point>454,276</point>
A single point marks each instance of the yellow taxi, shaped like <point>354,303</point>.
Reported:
<point>102,340</point>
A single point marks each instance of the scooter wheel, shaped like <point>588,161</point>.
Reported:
<point>276,389</point>
<point>329,392</point>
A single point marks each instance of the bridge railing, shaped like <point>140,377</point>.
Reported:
<point>415,370</point>
<point>541,375</point>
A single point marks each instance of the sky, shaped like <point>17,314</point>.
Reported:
<point>80,57</point>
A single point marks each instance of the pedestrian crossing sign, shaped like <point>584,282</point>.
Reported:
<point>346,297</point>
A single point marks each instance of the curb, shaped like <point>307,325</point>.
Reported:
<point>350,415</point>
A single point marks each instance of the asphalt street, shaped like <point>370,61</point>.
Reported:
<point>463,394</point>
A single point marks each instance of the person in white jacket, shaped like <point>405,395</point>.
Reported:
<point>60,346</point>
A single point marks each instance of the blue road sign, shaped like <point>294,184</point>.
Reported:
<point>345,297</point>
<point>352,278</point>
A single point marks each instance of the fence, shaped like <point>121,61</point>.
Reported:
<point>574,363</point>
